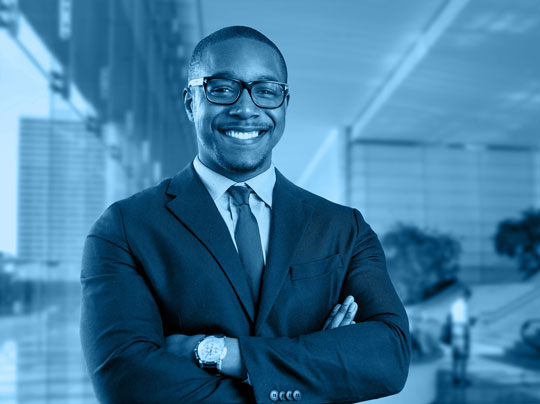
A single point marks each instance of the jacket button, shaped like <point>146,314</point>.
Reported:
<point>282,396</point>
<point>297,396</point>
<point>289,395</point>
<point>274,395</point>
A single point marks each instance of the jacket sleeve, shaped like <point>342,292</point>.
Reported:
<point>348,364</point>
<point>122,334</point>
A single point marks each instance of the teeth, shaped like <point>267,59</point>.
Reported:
<point>242,135</point>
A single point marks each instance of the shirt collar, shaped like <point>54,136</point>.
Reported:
<point>217,184</point>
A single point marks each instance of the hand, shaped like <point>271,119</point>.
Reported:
<point>182,345</point>
<point>342,314</point>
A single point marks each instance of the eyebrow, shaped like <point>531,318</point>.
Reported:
<point>229,74</point>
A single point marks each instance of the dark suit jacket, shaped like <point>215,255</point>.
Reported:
<point>162,262</point>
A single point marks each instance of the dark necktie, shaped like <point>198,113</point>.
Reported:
<point>248,239</point>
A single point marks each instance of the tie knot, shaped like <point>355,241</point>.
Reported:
<point>240,194</point>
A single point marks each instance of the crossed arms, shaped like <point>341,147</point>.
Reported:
<point>233,364</point>
<point>131,361</point>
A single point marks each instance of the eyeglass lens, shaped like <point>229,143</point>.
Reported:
<point>263,94</point>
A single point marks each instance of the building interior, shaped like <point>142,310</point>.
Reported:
<point>422,114</point>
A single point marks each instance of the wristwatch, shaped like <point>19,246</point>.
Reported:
<point>209,353</point>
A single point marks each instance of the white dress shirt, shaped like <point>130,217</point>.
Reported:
<point>260,201</point>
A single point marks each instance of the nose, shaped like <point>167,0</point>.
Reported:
<point>244,107</point>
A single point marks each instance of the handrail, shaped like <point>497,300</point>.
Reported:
<point>526,298</point>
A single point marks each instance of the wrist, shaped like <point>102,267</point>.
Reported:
<point>233,364</point>
<point>210,352</point>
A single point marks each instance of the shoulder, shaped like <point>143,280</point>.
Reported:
<point>333,221</point>
<point>137,207</point>
<point>155,195</point>
<point>333,212</point>
<point>326,214</point>
<point>323,209</point>
<point>322,204</point>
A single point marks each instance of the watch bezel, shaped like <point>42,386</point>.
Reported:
<point>213,366</point>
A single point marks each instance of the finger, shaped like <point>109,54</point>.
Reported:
<point>331,316</point>
<point>341,312</point>
<point>349,316</point>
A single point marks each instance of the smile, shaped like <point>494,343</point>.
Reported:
<point>242,134</point>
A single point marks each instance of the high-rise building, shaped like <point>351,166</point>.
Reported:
<point>61,192</point>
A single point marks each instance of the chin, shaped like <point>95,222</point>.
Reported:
<point>243,167</point>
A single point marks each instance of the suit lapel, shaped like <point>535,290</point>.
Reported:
<point>290,216</point>
<point>194,207</point>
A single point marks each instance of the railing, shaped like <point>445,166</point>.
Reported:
<point>496,315</point>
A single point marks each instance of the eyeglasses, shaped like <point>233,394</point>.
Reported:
<point>264,93</point>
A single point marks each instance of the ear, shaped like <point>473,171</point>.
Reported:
<point>188,103</point>
<point>287,100</point>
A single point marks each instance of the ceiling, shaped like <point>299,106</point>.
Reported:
<point>443,71</point>
<point>479,84</point>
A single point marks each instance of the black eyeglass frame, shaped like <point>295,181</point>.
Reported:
<point>203,81</point>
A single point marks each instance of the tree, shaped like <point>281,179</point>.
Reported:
<point>420,262</point>
<point>521,238</point>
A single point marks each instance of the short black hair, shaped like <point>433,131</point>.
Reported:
<point>236,31</point>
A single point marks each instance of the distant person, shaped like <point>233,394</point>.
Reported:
<point>460,337</point>
<point>230,270</point>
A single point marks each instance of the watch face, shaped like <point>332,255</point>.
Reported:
<point>210,349</point>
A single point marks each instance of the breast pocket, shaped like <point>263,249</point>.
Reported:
<point>317,268</point>
<point>308,296</point>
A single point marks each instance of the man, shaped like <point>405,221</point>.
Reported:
<point>229,269</point>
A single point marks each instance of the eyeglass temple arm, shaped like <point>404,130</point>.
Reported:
<point>196,82</point>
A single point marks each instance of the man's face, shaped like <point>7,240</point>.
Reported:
<point>247,60</point>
